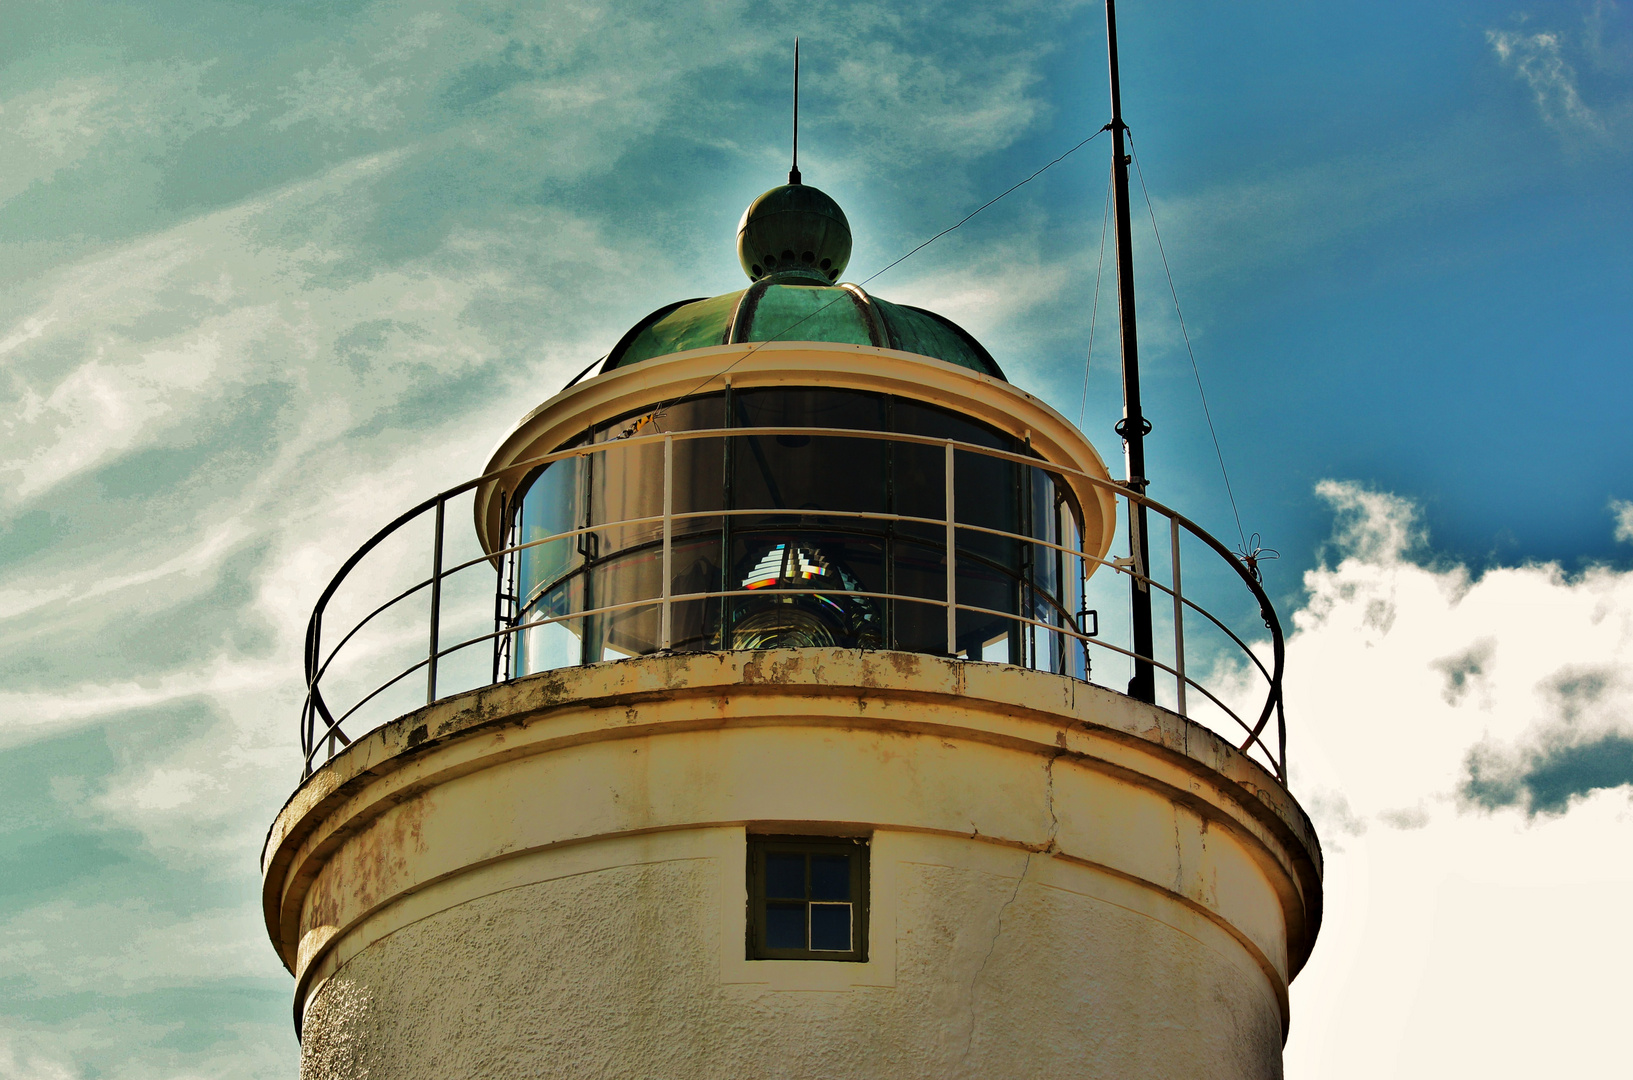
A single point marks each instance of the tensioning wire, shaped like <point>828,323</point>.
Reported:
<point>1207,414</point>
<point>1094,312</point>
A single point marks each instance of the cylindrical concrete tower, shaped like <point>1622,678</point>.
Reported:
<point>783,756</point>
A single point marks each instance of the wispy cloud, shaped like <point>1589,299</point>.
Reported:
<point>1622,510</point>
<point>1537,59</point>
<point>1558,65</point>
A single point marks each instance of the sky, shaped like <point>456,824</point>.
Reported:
<point>270,273</point>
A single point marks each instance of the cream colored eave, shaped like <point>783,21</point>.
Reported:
<point>793,363</point>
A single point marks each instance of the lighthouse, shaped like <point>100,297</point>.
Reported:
<point>776,725</point>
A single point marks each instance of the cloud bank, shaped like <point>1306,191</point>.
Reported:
<point>1464,743</point>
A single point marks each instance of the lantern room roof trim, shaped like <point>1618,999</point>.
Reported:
<point>623,391</point>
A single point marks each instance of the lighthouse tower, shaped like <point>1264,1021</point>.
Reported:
<point>791,746</point>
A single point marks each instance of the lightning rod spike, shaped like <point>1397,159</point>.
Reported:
<point>793,173</point>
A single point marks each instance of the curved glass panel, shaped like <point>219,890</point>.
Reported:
<point>797,540</point>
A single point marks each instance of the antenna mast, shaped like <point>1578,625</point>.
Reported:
<point>793,173</point>
<point>1133,427</point>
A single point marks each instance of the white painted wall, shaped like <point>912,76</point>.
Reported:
<point>626,959</point>
<point>548,879</point>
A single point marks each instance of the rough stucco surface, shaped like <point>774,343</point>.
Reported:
<point>617,973</point>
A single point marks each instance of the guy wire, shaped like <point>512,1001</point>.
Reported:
<point>1094,312</point>
<point>1195,371</point>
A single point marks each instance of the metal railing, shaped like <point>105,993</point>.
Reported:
<point>324,733</point>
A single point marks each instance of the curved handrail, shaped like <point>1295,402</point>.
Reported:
<point>317,665</point>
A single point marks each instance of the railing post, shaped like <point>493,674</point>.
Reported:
<point>501,589</point>
<point>952,569</point>
<point>436,606</point>
<point>314,661</point>
<point>1179,615</point>
<point>666,639</point>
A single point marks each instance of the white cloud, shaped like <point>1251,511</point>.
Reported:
<point>31,715</point>
<point>992,286</point>
<point>47,130</point>
<point>17,1063</point>
<point>100,408</point>
<point>1622,510</point>
<point>1462,742</point>
<point>338,95</point>
<point>1538,59</point>
<point>128,947</point>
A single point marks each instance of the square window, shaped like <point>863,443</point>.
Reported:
<point>807,898</point>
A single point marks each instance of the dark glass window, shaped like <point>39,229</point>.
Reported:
<point>807,898</point>
<point>802,533</point>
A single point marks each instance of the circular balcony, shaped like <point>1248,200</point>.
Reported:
<point>789,495</point>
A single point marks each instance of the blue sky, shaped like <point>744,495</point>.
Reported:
<point>271,272</point>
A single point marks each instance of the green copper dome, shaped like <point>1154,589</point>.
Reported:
<point>774,310</point>
<point>793,243</point>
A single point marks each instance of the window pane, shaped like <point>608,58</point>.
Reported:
<point>785,926</point>
<point>785,876</point>
<point>920,484</point>
<point>808,472</point>
<point>831,927</point>
<point>920,570</point>
<point>626,482</point>
<point>556,644</point>
<point>919,419</point>
<point>699,475</point>
<point>810,407</point>
<point>830,877</point>
<point>693,414</point>
<point>552,504</point>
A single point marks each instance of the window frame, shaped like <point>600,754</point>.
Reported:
<point>857,847</point>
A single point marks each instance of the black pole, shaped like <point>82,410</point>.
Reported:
<point>1133,427</point>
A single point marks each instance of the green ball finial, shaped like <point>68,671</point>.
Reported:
<point>795,230</point>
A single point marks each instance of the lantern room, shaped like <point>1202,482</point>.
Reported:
<point>796,464</point>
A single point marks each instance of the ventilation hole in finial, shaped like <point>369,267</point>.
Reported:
<point>833,275</point>
<point>755,270</point>
<point>787,257</point>
<point>770,261</point>
<point>826,263</point>
<point>808,258</point>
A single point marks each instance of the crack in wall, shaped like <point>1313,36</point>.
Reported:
<point>1047,848</point>
<point>1179,854</point>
